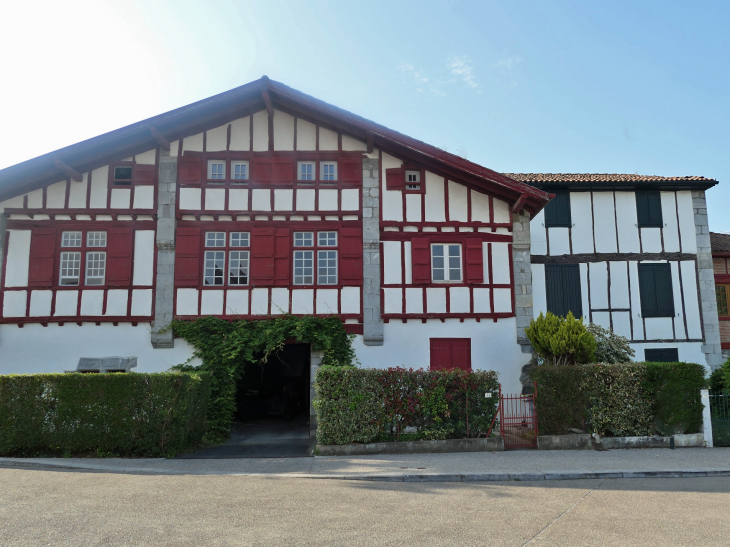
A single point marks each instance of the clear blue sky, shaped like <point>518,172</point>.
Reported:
<point>559,86</point>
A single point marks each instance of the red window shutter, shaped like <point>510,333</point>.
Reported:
<point>461,353</point>
<point>41,269</point>
<point>261,170</point>
<point>190,170</point>
<point>421,260</point>
<point>282,268</point>
<point>440,354</point>
<point>394,179</point>
<point>351,256</point>
<point>263,244</point>
<point>143,174</point>
<point>351,170</point>
<point>119,256</point>
<point>187,257</point>
<point>282,169</point>
<point>474,261</point>
<point>450,353</point>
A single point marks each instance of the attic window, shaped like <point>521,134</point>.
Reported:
<point>123,174</point>
<point>413,180</point>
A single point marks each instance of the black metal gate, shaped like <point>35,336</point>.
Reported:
<point>720,412</point>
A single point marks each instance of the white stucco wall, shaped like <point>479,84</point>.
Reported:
<point>62,347</point>
<point>493,347</point>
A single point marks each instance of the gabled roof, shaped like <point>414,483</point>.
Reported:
<point>242,101</point>
<point>610,181</point>
<point>719,243</point>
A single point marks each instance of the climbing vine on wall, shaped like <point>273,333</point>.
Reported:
<point>226,346</point>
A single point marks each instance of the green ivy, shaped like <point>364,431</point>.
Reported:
<point>226,346</point>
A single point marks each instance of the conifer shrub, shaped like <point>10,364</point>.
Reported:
<point>561,340</point>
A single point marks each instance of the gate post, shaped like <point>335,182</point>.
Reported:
<point>706,417</point>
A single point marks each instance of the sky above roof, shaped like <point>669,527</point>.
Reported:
<point>526,87</point>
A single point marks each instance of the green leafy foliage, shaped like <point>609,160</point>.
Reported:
<point>720,378</point>
<point>226,346</point>
<point>610,347</point>
<point>674,390</point>
<point>619,399</point>
<point>561,340</point>
<point>367,405</point>
<point>128,414</point>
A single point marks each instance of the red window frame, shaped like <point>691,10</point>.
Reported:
<point>142,174</point>
<point>315,248</point>
<point>271,256</point>
<point>450,354</point>
<point>227,248</point>
<point>270,169</point>
<point>45,255</point>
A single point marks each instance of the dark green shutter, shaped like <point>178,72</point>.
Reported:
<point>661,355</point>
<point>562,288</point>
<point>655,289</point>
<point>557,212</point>
<point>649,209</point>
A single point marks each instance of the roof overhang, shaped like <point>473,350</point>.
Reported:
<point>261,94</point>
<point>625,186</point>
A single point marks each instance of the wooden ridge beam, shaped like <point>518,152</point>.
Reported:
<point>160,138</point>
<point>267,101</point>
<point>68,170</point>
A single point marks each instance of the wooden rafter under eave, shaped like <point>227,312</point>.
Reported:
<point>160,138</point>
<point>519,203</point>
<point>68,171</point>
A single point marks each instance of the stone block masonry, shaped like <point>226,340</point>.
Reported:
<point>372,320</point>
<point>708,303</point>
<point>523,276</point>
<point>165,286</point>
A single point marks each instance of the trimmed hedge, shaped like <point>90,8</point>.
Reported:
<point>368,405</point>
<point>620,400</point>
<point>130,414</point>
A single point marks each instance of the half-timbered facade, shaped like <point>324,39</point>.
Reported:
<point>630,253</point>
<point>264,201</point>
<point>258,202</point>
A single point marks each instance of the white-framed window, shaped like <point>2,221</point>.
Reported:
<point>240,239</point>
<point>216,170</point>
<point>96,239</point>
<point>214,267</point>
<point>328,170</point>
<point>320,248</point>
<point>304,239</point>
<point>413,180</point>
<point>70,268</point>
<point>215,239</point>
<point>446,263</point>
<point>305,170</point>
<point>71,239</point>
<point>327,239</point>
<point>239,170</point>
<point>238,268</point>
<point>303,267</point>
<point>95,267</point>
<point>327,267</point>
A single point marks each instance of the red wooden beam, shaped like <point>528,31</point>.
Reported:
<point>160,138</point>
<point>519,203</point>
<point>267,101</point>
<point>370,142</point>
<point>68,171</point>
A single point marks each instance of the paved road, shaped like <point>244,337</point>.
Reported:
<point>60,508</point>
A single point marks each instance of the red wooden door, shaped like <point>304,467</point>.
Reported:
<point>450,353</point>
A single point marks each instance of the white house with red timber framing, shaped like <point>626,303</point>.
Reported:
<point>257,202</point>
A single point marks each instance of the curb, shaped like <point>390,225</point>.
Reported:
<point>394,477</point>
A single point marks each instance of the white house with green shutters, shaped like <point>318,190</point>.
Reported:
<point>630,253</point>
